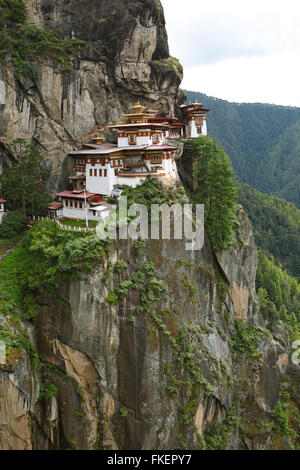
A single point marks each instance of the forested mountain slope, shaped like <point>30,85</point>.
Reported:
<point>262,140</point>
<point>276,226</point>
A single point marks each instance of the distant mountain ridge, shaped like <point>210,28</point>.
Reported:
<point>276,227</point>
<point>262,140</point>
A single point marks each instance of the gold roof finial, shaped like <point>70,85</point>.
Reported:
<point>138,107</point>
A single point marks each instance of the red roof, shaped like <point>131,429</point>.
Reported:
<point>2,200</point>
<point>55,205</point>
<point>160,147</point>
<point>74,195</point>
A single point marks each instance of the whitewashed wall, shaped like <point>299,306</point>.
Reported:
<point>100,184</point>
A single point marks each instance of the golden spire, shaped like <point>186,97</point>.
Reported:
<point>138,108</point>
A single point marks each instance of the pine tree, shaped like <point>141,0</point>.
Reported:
<point>217,190</point>
<point>22,184</point>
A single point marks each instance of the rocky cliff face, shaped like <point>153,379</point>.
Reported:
<point>165,367</point>
<point>181,358</point>
<point>125,58</point>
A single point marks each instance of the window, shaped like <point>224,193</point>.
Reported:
<point>95,172</point>
<point>155,158</point>
<point>80,205</point>
<point>91,172</point>
<point>100,173</point>
<point>67,203</point>
<point>155,138</point>
<point>132,139</point>
<point>75,204</point>
<point>71,203</point>
<point>105,173</point>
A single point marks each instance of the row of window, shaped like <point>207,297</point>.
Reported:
<point>116,163</point>
<point>76,204</point>
<point>99,173</point>
<point>132,139</point>
<point>156,158</point>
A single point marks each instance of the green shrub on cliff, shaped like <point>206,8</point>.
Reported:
<point>216,189</point>
<point>12,224</point>
<point>280,415</point>
<point>17,11</point>
<point>68,253</point>
<point>24,45</point>
<point>279,293</point>
<point>48,256</point>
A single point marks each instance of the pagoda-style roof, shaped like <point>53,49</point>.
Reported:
<point>97,150</point>
<point>138,108</point>
<point>144,125</point>
<point>198,106</point>
<point>75,194</point>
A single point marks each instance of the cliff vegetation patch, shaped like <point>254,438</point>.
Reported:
<point>24,45</point>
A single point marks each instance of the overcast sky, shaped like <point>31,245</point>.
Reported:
<point>238,50</point>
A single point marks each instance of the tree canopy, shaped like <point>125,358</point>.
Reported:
<point>216,189</point>
<point>262,141</point>
<point>276,225</point>
<point>23,184</point>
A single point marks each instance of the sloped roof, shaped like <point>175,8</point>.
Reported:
<point>75,195</point>
<point>55,205</point>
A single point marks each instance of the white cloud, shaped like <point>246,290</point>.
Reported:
<point>273,79</point>
<point>205,32</point>
<point>244,50</point>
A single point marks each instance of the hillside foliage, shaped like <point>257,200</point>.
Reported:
<point>24,183</point>
<point>216,189</point>
<point>262,141</point>
<point>279,293</point>
<point>276,226</point>
<point>47,256</point>
<point>25,45</point>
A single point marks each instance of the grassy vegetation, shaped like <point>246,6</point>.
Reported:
<point>153,192</point>
<point>47,255</point>
<point>8,243</point>
<point>152,291</point>
<point>246,340</point>
<point>78,223</point>
<point>217,436</point>
<point>170,64</point>
<point>24,45</point>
